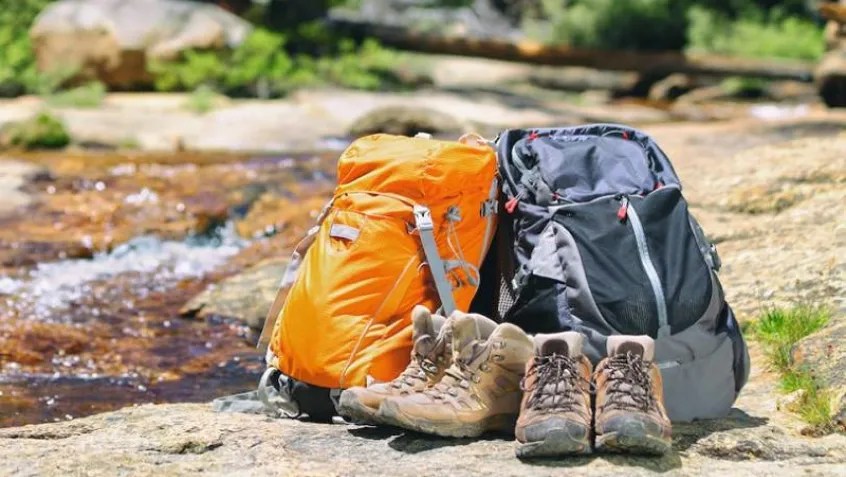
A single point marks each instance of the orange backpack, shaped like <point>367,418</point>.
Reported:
<point>410,223</point>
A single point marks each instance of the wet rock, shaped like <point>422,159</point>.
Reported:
<point>112,40</point>
<point>42,131</point>
<point>192,439</point>
<point>13,176</point>
<point>406,121</point>
<point>246,296</point>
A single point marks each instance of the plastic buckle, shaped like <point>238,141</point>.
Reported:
<point>489,207</point>
<point>423,218</point>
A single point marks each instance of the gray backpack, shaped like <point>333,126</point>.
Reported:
<point>595,236</point>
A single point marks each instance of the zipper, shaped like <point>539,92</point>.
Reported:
<point>629,212</point>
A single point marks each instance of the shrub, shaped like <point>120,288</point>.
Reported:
<point>40,132</point>
<point>262,67</point>
<point>89,95</point>
<point>755,34</point>
<point>17,60</point>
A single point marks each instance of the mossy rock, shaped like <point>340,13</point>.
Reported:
<point>404,120</point>
<point>43,131</point>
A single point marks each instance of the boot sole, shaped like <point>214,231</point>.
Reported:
<point>358,413</point>
<point>391,414</point>
<point>623,443</point>
<point>557,442</point>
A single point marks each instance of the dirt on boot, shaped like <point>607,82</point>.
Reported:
<point>430,356</point>
<point>481,390</point>
<point>630,415</point>
<point>555,415</point>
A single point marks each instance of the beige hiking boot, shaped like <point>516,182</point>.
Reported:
<point>479,392</point>
<point>430,357</point>
<point>555,416</point>
<point>630,415</point>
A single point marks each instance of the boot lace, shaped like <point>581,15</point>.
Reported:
<point>463,371</point>
<point>629,384</point>
<point>421,368</point>
<point>557,381</point>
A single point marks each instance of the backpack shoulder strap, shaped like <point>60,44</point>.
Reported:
<point>425,227</point>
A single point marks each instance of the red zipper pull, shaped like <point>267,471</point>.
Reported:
<point>623,211</point>
<point>512,203</point>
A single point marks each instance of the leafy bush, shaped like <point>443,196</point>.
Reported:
<point>202,100</point>
<point>755,34</point>
<point>89,95</point>
<point>40,132</point>
<point>757,28</point>
<point>17,60</point>
<point>262,67</point>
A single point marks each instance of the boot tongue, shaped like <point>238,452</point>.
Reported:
<point>465,332</point>
<point>642,346</point>
<point>421,321</point>
<point>566,344</point>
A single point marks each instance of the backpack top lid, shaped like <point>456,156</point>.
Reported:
<point>591,145</point>
<point>418,168</point>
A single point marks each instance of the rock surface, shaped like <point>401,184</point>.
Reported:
<point>246,296</point>
<point>825,354</point>
<point>13,176</point>
<point>112,40</point>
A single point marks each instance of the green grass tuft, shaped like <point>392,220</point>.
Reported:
<point>779,330</point>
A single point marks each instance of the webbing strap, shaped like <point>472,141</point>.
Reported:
<point>425,226</point>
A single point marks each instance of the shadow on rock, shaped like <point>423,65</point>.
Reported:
<point>689,433</point>
<point>413,442</point>
<point>665,463</point>
<point>374,433</point>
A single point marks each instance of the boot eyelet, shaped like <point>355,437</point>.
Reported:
<point>453,392</point>
<point>476,378</point>
<point>484,367</point>
<point>498,357</point>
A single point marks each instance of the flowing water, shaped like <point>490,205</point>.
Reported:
<point>94,273</point>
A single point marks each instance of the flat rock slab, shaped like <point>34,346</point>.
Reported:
<point>191,439</point>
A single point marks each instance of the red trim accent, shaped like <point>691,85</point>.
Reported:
<point>622,212</point>
<point>533,135</point>
<point>625,135</point>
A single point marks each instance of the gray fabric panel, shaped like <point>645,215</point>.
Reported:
<point>701,389</point>
<point>545,261</point>
<point>692,343</point>
<point>578,290</point>
<point>708,320</point>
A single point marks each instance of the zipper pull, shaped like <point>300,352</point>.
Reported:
<point>512,203</point>
<point>623,211</point>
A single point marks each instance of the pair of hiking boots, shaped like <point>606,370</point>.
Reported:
<point>469,375</point>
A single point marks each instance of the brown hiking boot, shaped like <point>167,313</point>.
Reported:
<point>555,416</point>
<point>630,415</point>
<point>479,392</point>
<point>430,357</point>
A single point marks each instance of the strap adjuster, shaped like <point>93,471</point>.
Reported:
<point>423,218</point>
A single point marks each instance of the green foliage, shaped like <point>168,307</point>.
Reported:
<point>779,330</point>
<point>737,27</point>
<point>17,60</point>
<point>89,95</point>
<point>619,24</point>
<point>202,100</point>
<point>755,34</point>
<point>40,132</point>
<point>261,66</point>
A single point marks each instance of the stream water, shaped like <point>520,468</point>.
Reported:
<point>102,329</point>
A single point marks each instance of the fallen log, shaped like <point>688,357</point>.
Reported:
<point>652,63</point>
<point>835,12</point>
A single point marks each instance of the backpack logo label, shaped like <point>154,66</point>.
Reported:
<point>344,232</point>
